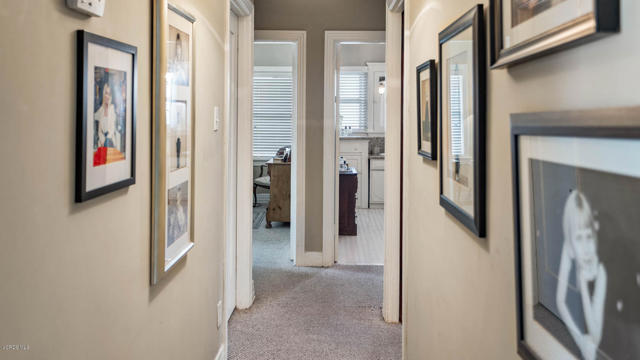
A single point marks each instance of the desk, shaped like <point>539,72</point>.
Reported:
<point>279,208</point>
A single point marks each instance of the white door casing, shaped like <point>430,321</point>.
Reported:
<point>245,292</point>
<point>238,282</point>
<point>231,133</point>
<point>392,168</point>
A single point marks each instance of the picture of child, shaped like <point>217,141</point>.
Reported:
<point>580,249</point>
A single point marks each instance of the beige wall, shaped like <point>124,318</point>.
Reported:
<point>460,300</point>
<point>316,16</point>
<point>75,277</point>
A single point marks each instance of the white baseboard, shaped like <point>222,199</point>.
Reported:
<point>222,353</point>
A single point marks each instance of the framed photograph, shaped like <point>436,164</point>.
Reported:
<point>525,29</point>
<point>576,183</point>
<point>462,82</point>
<point>172,139</point>
<point>106,116</point>
<point>426,79</point>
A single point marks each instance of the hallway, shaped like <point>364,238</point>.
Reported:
<point>323,313</point>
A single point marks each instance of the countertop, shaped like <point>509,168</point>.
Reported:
<point>360,137</point>
<point>349,171</point>
<point>378,156</point>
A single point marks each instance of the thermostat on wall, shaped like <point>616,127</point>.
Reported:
<point>89,7</point>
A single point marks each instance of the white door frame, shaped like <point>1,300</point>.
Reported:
<point>244,213</point>
<point>330,194</point>
<point>231,181</point>
<point>392,210</point>
<point>245,290</point>
<point>298,253</point>
<point>243,9</point>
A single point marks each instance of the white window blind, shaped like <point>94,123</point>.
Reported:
<point>272,110</point>
<point>457,116</point>
<point>353,99</point>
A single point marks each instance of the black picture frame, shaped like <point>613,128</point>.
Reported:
<point>473,18</point>
<point>84,38</point>
<point>616,123</point>
<point>605,21</point>
<point>430,66</point>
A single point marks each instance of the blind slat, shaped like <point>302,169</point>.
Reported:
<point>272,111</point>
<point>353,96</point>
<point>455,109</point>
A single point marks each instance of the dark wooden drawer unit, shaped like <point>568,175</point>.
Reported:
<point>348,189</point>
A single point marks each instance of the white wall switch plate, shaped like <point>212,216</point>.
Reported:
<point>220,313</point>
<point>216,118</point>
<point>89,7</point>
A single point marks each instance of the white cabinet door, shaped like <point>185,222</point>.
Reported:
<point>377,186</point>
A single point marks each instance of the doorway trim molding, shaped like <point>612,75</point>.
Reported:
<point>298,188</point>
<point>330,134</point>
<point>392,177</point>
<point>245,292</point>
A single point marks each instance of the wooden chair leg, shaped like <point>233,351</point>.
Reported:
<point>255,197</point>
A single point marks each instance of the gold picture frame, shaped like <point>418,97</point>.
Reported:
<point>172,140</point>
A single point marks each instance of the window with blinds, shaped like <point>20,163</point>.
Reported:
<point>272,110</point>
<point>353,98</point>
<point>456,113</point>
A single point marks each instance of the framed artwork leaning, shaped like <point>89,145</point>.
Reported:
<point>576,183</point>
<point>106,115</point>
<point>462,82</point>
<point>426,79</point>
<point>172,166</point>
<point>522,30</point>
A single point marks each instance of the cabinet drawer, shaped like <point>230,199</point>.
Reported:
<point>377,164</point>
<point>357,146</point>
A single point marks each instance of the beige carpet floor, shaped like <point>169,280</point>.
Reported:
<point>310,313</point>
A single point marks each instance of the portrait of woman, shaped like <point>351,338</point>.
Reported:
<point>106,119</point>
<point>109,116</point>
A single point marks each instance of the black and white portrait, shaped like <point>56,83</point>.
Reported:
<point>178,216</point>
<point>177,135</point>
<point>178,57</point>
<point>586,226</point>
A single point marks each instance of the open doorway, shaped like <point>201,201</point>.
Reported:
<point>361,120</point>
<point>389,165</point>
<point>274,131</point>
<point>278,145</point>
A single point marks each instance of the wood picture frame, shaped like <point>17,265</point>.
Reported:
<point>107,91</point>
<point>603,19</point>
<point>584,142</point>
<point>462,87</point>
<point>173,140</point>
<point>426,81</point>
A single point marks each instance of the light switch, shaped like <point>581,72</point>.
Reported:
<point>89,7</point>
<point>219,313</point>
<point>216,118</point>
